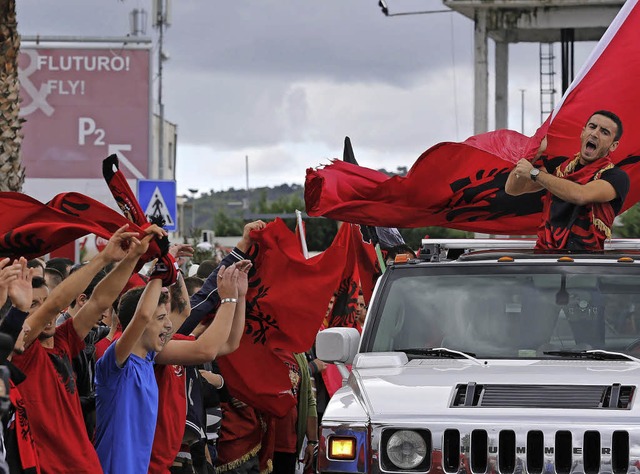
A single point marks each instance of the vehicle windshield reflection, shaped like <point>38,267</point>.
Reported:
<point>513,315</point>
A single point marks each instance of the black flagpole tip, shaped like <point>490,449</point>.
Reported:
<point>347,154</point>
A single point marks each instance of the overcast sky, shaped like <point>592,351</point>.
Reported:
<point>284,81</point>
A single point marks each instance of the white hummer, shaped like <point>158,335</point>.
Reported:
<point>485,356</point>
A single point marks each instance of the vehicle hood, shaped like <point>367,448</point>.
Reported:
<point>426,387</point>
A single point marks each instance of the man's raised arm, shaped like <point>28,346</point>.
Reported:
<point>75,283</point>
<point>206,300</point>
<point>111,285</point>
<point>208,345</point>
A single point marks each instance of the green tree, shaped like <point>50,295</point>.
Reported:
<point>228,226</point>
<point>630,227</point>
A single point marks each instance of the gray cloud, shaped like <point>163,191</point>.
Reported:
<point>284,81</point>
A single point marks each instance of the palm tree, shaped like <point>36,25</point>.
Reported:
<point>11,169</point>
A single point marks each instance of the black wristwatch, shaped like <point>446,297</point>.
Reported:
<point>533,173</point>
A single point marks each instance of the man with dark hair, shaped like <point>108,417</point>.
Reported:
<point>84,363</point>
<point>61,264</point>
<point>52,277</point>
<point>206,268</point>
<point>49,390</point>
<point>584,192</point>
<point>361,310</point>
<point>193,284</point>
<point>20,452</point>
<point>38,266</point>
<point>125,379</point>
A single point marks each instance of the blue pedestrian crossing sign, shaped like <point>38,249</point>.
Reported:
<point>157,198</point>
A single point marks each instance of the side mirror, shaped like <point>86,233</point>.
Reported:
<point>337,345</point>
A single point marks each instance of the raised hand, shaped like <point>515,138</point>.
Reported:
<point>228,282</point>
<point>246,240</point>
<point>181,251</point>
<point>141,246</point>
<point>243,277</point>
<point>20,289</point>
<point>8,273</point>
<point>119,243</point>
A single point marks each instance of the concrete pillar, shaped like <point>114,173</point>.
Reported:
<point>502,84</point>
<point>481,74</point>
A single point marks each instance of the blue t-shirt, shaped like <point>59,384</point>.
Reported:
<point>126,412</point>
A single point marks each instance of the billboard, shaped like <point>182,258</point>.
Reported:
<point>81,105</point>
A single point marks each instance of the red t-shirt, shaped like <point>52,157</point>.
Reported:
<point>285,427</point>
<point>172,414</point>
<point>53,406</point>
<point>103,344</point>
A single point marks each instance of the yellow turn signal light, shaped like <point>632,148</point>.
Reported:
<point>342,448</point>
<point>402,258</point>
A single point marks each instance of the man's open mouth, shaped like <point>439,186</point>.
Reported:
<point>591,145</point>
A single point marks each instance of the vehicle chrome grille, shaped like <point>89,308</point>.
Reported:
<point>508,452</point>
<point>614,396</point>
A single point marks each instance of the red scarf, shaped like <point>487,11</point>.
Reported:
<point>601,215</point>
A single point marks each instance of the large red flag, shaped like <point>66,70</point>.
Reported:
<point>255,375</point>
<point>31,229</point>
<point>461,185</point>
<point>361,270</point>
<point>286,301</point>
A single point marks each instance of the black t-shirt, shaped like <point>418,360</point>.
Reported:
<point>563,214</point>
<point>614,176</point>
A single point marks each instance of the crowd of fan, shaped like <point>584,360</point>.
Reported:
<point>111,368</point>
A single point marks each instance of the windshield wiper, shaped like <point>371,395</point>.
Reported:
<point>441,352</point>
<point>595,354</point>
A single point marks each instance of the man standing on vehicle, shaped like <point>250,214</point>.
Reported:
<point>584,193</point>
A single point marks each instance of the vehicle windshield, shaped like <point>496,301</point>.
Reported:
<point>510,314</point>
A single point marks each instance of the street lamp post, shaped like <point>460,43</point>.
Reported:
<point>522,91</point>
<point>193,192</point>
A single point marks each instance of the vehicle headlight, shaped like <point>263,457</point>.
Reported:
<point>406,449</point>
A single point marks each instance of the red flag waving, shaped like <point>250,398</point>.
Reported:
<point>288,294</point>
<point>31,229</point>
<point>255,375</point>
<point>607,81</point>
<point>361,269</point>
<point>461,185</point>
<point>287,299</point>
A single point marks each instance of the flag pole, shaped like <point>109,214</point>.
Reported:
<point>349,157</point>
<point>303,237</point>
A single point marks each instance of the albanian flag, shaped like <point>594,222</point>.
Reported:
<point>287,299</point>
<point>30,229</point>
<point>461,185</point>
<point>257,376</point>
<point>361,269</point>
